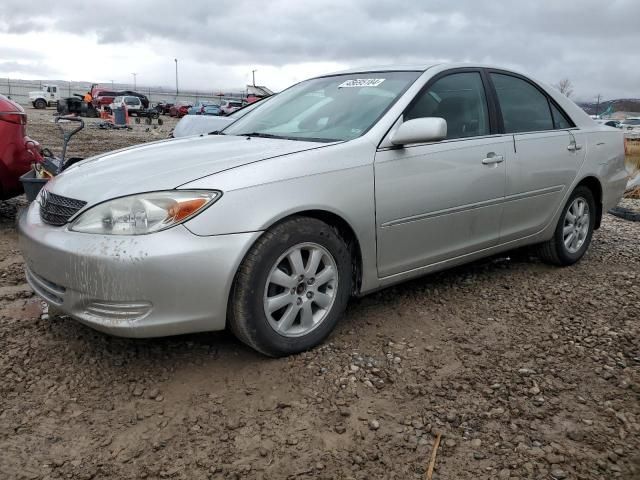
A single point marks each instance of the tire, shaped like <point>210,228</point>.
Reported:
<point>555,251</point>
<point>253,291</point>
<point>40,103</point>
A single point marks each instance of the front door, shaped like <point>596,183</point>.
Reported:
<point>444,199</point>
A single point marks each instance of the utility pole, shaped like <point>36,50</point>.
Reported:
<point>599,97</point>
<point>253,73</point>
<point>176,60</point>
<point>111,84</point>
<point>134,80</point>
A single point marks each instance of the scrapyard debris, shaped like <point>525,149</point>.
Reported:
<point>105,125</point>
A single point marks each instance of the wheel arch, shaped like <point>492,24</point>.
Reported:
<point>344,229</point>
<point>593,184</point>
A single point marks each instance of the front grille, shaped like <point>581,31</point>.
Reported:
<point>57,210</point>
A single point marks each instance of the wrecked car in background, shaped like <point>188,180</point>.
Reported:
<point>271,226</point>
<point>17,150</point>
<point>203,124</point>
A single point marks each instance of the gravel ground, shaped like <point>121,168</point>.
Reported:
<point>528,371</point>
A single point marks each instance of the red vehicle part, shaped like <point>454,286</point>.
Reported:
<point>17,150</point>
<point>102,96</point>
<point>179,110</point>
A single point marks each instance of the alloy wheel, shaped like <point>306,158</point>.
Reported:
<point>577,222</point>
<point>300,289</point>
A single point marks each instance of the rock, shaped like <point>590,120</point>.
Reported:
<point>476,443</point>
<point>553,458</point>
<point>504,473</point>
<point>233,423</point>
<point>340,428</point>
<point>558,473</point>
<point>450,442</point>
<point>575,435</point>
<point>374,424</point>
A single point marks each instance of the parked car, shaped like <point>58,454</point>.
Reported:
<point>17,150</point>
<point>164,108</point>
<point>338,186</point>
<point>203,124</point>
<point>133,104</point>
<point>131,93</point>
<point>212,110</point>
<point>631,127</point>
<point>230,106</point>
<point>102,97</point>
<point>205,108</point>
<point>609,123</point>
<point>179,109</point>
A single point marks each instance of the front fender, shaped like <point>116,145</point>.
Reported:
<point>338,180</point>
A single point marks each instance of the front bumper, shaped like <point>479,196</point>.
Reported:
<point>166,283</point>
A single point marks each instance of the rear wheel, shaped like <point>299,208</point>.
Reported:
<point>292,287</point>
<point>40,103</point>
<point>573,233</point>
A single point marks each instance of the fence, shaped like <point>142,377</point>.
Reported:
<point>18,91</point>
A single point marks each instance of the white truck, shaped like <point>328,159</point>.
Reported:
<point>47,96</point>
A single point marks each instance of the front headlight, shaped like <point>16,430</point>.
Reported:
<point>144,213</point>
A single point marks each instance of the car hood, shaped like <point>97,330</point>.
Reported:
<point>166,165</point>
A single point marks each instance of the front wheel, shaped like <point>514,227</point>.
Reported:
<point>40,104</point>
<point>292,287</point>
<point>573,233</point>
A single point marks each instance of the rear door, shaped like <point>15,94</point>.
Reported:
<point>545,156</point>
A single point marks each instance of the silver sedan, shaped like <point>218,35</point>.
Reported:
<point>341,185</point>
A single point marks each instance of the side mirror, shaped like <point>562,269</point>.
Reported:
<point>420,130</point>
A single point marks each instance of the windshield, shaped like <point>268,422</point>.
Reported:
<point>327,109</point>
<point>632,121</point>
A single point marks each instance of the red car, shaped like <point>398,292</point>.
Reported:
<point>102,97</point>
<point>17,151</point>
<point>179,110</point>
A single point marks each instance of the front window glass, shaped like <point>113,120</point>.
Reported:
<point>458,98</point>
<point>327,109</point>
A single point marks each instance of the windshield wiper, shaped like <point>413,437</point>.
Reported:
<point>261,135</point>
<point>216,132</point>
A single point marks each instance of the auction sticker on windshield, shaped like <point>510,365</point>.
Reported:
<point>361,82</point>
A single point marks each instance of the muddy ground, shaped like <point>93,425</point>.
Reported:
<point>527,370</point>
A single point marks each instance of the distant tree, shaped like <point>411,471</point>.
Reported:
<point>565,86</point>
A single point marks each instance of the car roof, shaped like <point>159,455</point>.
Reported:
<point>422,68</point>
<point>383,68</point>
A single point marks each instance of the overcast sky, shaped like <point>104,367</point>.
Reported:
<point>595,43</point>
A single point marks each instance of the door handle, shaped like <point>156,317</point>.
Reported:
<point>492,159</point>
<point>573,147</point>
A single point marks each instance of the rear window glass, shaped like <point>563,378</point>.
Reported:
<point>559,119</point>
<point>524,108</point>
